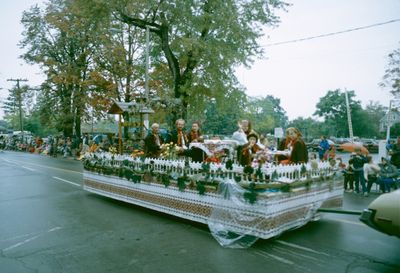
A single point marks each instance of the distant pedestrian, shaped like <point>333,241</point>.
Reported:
<point>348,175</point>
<point>323,147</point>
<point>331,153</point>
<point>358,162</point>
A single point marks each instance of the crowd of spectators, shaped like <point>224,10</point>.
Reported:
<point>55,145</point>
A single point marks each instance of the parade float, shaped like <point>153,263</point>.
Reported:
<point>237,203</point>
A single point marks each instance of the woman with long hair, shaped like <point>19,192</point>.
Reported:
<point>296,146</point>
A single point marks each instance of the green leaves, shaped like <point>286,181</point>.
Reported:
<point>165,179</point>
<point>89,52</point>
<point>250,195</point>
<point>248,170</point>
<point>229,164</point>
<point>182,183</point>
<point>200,187</point>
<point>391,78</point>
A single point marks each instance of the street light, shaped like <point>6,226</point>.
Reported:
<point>349,115</point>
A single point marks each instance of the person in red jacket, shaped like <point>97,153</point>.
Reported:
<point>296,146</point>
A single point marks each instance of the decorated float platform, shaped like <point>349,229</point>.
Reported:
<point>235,202</point>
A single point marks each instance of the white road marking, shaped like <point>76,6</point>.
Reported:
<point>295,253</point>
<point>301,247</point>
<point>67,181</point>
<point>280,259</point>
<point>39,165</point>
<point>349,222</point>
<point>30,239</point>
<point>7,160</point>
<point>17,237</point>
<point>28,168</point>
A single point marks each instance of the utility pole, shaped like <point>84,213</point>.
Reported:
<point>349,116</point>
<point>19,97</point>
<point>389,121</point>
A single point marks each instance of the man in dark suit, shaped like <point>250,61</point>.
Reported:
<point>153,141</point>
<point>179,137</point>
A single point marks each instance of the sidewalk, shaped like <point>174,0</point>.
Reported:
<point>357,202</point>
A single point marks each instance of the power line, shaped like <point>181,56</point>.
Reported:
<point>330,34</point>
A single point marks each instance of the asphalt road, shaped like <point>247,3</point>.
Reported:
<point>49,224</point>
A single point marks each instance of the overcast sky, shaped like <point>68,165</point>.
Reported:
<point>301,73</point>
<point>297,73</point>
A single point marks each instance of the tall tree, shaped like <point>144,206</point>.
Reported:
<point>118,67</point>
<point>221,116</point>
<point>310,128</point>
<point>391,78</point>
<point>202,41</point>
<point>266,113</point>
<point>332,107</point>
<point>374,113</point>
<point>60,39</point>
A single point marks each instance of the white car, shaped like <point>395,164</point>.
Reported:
<point>383,214</point>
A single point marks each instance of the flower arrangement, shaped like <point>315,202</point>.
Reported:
<point>169,150</point>
<point>137,153</point>
<point>112,150</point>
<point>216,157</point>
<point>261,157</point>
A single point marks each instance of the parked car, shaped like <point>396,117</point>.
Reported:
<point>383,214</point>
<point>339,141</point>
<point>371,145</point>
<point>312,146</point>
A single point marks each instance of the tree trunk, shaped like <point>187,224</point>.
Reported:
<point>180,80</point>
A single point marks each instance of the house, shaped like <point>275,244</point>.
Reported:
<point>394,118</point>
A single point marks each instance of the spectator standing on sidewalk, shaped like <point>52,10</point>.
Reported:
<point>371,171</point>
<point>349,177</point>
<point>323,147</point>
<point>358,161</point>
<point>331,153</point>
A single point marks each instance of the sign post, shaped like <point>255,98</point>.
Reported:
<point>278,134</point>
